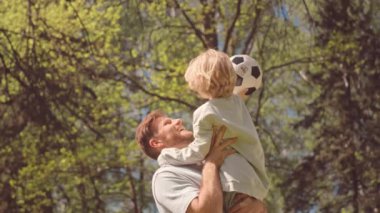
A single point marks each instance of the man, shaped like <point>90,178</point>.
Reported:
<point>190,188</point>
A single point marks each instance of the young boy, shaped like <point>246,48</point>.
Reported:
<point>211,75</point>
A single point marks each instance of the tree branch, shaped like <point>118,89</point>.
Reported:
<point>87,36</point>
<point>261,52</point>
<point>133,189</point>
<point>272,139</point>
<point>198,32</point>
<point>231,28</point>
<point>296,61</point>
<point>85,121</point>
<point>249,42</point>
<point>308,11</point>
<point>209,23</point>
<point>135,83</point>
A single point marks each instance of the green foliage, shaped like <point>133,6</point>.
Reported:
<point>76,77</point>
<point>339,174</point>
<point>63,120</point>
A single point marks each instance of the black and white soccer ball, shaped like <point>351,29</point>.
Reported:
<point>249,74</point>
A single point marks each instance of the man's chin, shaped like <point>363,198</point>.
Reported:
<point>189,136</point>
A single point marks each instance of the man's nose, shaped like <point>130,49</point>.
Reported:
<point>177,121</point>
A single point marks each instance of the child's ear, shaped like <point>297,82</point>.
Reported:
<point>155,143</point>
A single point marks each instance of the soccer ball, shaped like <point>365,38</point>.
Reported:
<point>249,74</point>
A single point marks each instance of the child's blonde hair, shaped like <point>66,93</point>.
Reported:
<point>211,74</point>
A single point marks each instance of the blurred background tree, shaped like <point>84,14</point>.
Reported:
<point>76,77</point>
<point>342,171</point>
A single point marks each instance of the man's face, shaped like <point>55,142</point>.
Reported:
<point>171,133</point>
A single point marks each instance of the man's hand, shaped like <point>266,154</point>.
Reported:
<point>247,204</point>
<point>219,148</point>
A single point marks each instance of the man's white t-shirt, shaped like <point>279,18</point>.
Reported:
<point>174,187</point>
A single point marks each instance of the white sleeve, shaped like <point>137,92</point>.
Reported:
<point>196,151</point>
<point>173,193</point>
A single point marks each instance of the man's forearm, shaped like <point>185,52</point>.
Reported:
<point>211,188</point>
<point>210,197</point>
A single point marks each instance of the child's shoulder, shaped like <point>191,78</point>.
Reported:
<point>226,101</point>
<point>205,107</point>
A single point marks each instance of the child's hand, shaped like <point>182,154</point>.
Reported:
<point>242,94</point>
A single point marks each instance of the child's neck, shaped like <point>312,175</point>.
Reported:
<point>210,98</point>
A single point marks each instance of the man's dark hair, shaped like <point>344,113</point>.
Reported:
<point>145,131</point>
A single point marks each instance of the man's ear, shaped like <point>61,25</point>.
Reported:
<point>155,143</point>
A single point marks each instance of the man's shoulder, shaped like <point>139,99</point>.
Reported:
<point>171,171</point>
<point>165,169</point>
<point>174,168</point>
<point>174,187</point>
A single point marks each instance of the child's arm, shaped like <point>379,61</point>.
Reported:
<point>196,151</point>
